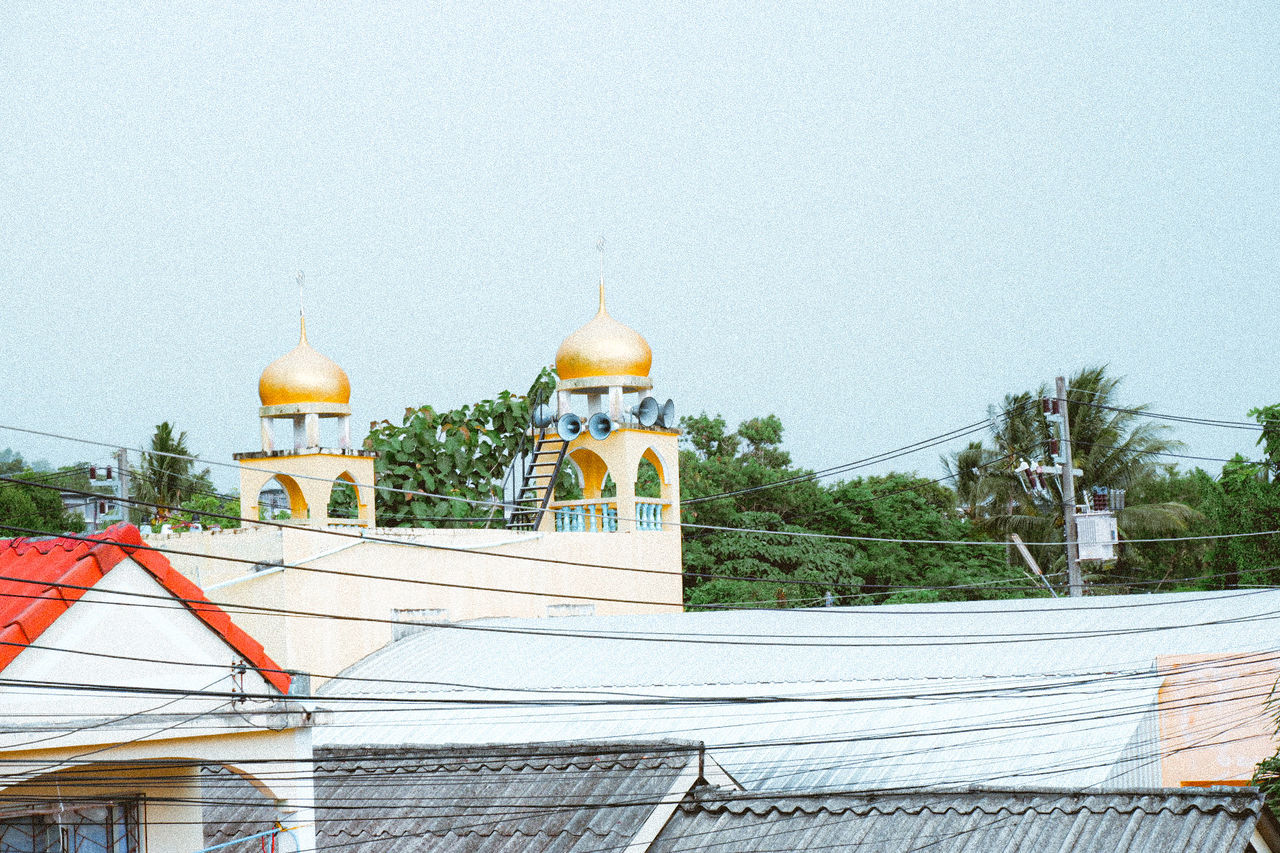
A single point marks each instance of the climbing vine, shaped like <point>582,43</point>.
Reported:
<point>462,453</point>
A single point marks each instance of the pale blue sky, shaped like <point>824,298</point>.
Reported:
<point>873,219</point>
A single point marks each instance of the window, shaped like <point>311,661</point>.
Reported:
<point>109,828</point>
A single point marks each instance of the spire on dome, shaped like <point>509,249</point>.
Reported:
<point>605,349</point>
<point>303,375</point>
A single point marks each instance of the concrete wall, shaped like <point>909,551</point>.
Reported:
<point>469,574</point>
<point>1215,725</point>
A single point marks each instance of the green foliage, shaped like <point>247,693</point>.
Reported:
<point>207,510</point>
<point>342,500</point>
<point>1246,501</point>
<point>463,453</point>
<point>1182,562</point>
<point>795,569</point>
<point>1266,776</point>
<point>32,508</point>
<point>1269,418</point>
<point>167,477</point>
<point>648,483</point>
<point>38,505</point>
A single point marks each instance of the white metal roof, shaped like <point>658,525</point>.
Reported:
<point>1019,692</point>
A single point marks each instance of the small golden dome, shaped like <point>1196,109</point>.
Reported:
<point>603,347</point>
<point>303,375</point>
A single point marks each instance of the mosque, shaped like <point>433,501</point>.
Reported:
<point>609,551</point>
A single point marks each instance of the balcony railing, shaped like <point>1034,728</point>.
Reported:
<point>588,516</point>
<point>594,515</point>
<point>648,513</point>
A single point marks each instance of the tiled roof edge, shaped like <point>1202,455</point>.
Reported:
<point>1230,800</point>
<point>106,550</point>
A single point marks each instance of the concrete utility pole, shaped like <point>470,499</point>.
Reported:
<point>122,473</point>
<point>1069,496</point>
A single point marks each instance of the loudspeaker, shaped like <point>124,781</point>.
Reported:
<point>542,417</point>
<point>569,426</point>
<point>599,426</point>
<point>667,417</point>
<point>646,412</point>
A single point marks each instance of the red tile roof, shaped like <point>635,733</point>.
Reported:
<point>40,579</point>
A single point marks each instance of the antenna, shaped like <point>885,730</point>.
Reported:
<point>302,313</point>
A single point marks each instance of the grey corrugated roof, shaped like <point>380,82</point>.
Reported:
<point>231,808</point>
<point>485,799</point>
<point>1017,692</point>
<point>1217,820</point>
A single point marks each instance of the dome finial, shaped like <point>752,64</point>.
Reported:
<point>302,313</point>
<point>605,349</point>
<point>303,376</point>
<point>600,249</point>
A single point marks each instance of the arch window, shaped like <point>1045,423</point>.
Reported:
<point>343,499</point>
<point>281,498</point>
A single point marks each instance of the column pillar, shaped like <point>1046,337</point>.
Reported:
<point>312,421</point>
<point>615,404</point>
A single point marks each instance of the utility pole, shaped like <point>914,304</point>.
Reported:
<point>1069,496</point>
<point>122,472</point>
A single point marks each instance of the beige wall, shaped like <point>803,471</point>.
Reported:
<point>169,814</point>
<point>165,773</point>
<point>1214,722</point>
<point>469,574</point>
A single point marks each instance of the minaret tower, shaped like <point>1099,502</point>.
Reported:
<point>308,390</point>
<point>604,369</point>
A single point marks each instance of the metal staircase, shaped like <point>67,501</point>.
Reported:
<point>538,471</point>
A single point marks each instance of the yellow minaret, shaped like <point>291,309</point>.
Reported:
<point>601,365</point>
<point>305,388</point>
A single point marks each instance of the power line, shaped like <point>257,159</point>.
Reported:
<point>824,641</point>
<point>1188,419</point>
<point>849,466</point>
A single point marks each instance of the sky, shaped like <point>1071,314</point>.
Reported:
<point>872,219</point>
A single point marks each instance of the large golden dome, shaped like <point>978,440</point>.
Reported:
<point>303,375</point>
<point>603,347</point>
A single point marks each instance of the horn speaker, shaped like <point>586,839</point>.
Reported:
<point>542,417</point>
<point>667,416</point>
<point>646,412</point>
<point>599,426</point>
<point>569,426</point>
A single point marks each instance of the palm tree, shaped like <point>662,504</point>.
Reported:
<point>166,477</point>
<point>1111,444</point>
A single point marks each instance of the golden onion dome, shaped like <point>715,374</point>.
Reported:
<point>303,375</point>
<point>603,347</point>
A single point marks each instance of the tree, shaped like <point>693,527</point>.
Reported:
<point>458,457</point>
<point>208,510</point>
<point>166,477</point>
<point>35,505</point>
<point>744,479</point>
<point>1111,444</point>
<point>1182,562</point>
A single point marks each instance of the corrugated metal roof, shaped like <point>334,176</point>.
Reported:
<point>546,799</point>
<point>1006,692</point>
<point>1217,820</point>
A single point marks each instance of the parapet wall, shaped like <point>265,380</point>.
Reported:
<point>345,591</point>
